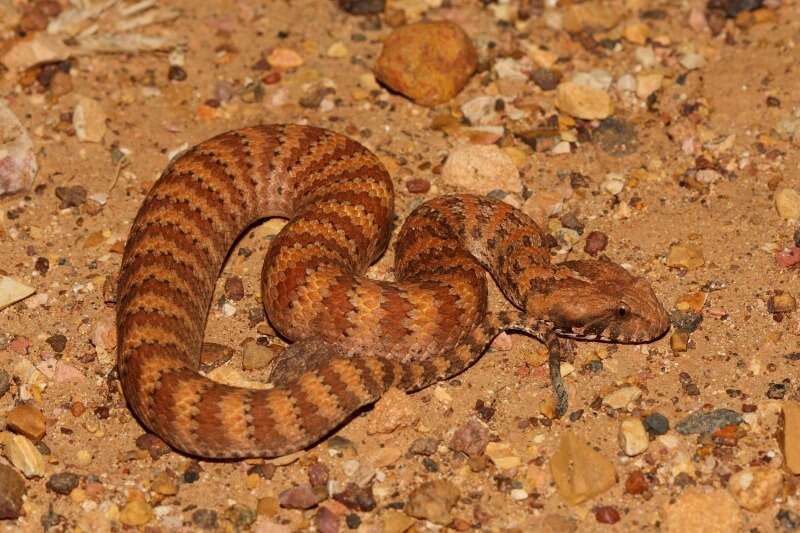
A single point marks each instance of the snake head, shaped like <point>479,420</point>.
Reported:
<point>600,300</point>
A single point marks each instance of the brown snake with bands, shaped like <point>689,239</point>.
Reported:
<point>358,336</point>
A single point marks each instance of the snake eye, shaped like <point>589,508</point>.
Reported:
<point>622,311</point>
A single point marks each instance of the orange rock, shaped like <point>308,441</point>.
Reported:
<point>430,62</point>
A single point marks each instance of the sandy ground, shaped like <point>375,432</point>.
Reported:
<point>740,346</point>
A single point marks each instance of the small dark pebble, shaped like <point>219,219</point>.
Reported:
<point>606,514</point>
<point>749,408</point>
<point>684,480</point>
<point>154,445</point>
<point>205,519</point>
<point>571,221</point>
<point>615,136</point>
<point>240,516</point>
<point>777,391</point>
<point>788,520</point>
<point>430,465</point>
<point>547,80</point>
<point>797,237</point>
<point>264,471</point>
<point>13,489</point>
<point>213,355</point>
<point>656,424</point>
<point>327,521</point>
<point>352,520</point>
<point>486,412</point>
<point>687,321</point>
<point>312,101</point>
<point>73,196</point>
<point>594,366</point>
<point>362,7</point>
<point>773,102</point>
<point>578,180</point>
<point>43,448</point>
<point>708,422</point>
<point>234,288</point>
<point>733,393</point>
<point>574,416</point>
<point>424,446</point>
<point>471,438</point>
<point>356,498</point>
<point>57,342</point>
<point>596,242</point>
<point>5,382</point>
<point>318,474</point>
<point>63,482</point>
<point>176,73</point>
<point>192,472</point>
<point>51,519</point>
<point>42,265</point>
<point>734,7</point>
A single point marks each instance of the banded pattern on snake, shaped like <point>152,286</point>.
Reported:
<point>357,336</point>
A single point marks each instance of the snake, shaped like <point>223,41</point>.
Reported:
<point>354,337</point>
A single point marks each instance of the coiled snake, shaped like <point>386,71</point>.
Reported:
<point>358,336</point>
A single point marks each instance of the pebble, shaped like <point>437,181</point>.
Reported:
<point>83,458</point>
<point>622,398</point>
<point>692,61</point>
<point>613,184</point>
<point>327,521</point>
<point>63,482</point>
<point>546,79</point>
<point>636,33</point>
<point>707,421</point>
<point>26,420</point>
<point>153,444</point>
<point>645,56</point>
<point>241,517</point>
<point>757,487</point>
<point>656,424</point>
<point>302,497</point>
<point>502,455</point>
<point>787,202</point>
<point>679,341</point>
<point>284,58</point>
<point>606,514</point>
<point>633,437</point>
<point>72,196</point>
<point>518,494</point>
<point>691,512</point>
<point>481,169</point>
<point>19,166</point>
<point>395,522</point>
<point>626,83</point>
<point>790,444</point>
<point>5,382</point>
<point>636,483</point>
<point>648,83</point>
<point>136,513</point>
<point>356,497</point>
<point>12,489</point>
<point>268,506</point>
<point>214,355</point>
<point>165,484</point>
<point>433,501</point>
<point>788,520</point>
<point>89,120</point>
<point>781,302</point>
<point>581,101</point>
<point>580,472</point>
<point>362,7</point>
<point>596,242</point>
<point>394,410</point>
<point>57,342</point>
<point>337,50</point>
<point>590,17</point>
<point>430,62</point>
<point>234,288</point>
<point>595,78</point>
<point>205,519</point>
<point>22,454</point>
<point>13,291</point>
<point>686,256</point>
<point>256,356</point>
<point>471,438</point>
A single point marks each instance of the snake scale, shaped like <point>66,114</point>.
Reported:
<point>357,336</point>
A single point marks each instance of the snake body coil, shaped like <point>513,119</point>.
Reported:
<point>430,323</point>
